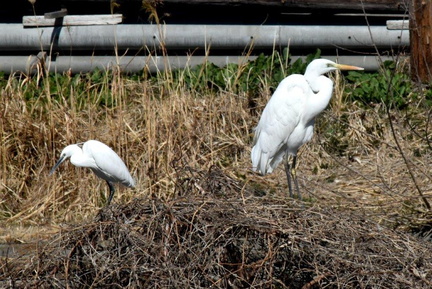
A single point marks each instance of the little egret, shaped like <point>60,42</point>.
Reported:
<point>288,119</point>
<point>101,159</point>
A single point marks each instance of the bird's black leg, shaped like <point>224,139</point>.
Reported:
<point>112,190</point>
<point>294,175</point>
<point>288,174</point>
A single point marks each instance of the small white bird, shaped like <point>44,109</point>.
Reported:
<point>101,159</point>
<point>288,119</point>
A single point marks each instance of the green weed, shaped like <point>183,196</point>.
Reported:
<point>388,86</point>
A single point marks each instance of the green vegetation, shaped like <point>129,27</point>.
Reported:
<point>388,86</point>
<point>248,77</point>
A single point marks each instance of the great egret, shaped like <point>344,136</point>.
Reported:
<point>288,119</point>
<point>101,159</point>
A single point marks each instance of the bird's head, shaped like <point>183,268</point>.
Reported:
<point>66,153</point>
<point>322,66</point>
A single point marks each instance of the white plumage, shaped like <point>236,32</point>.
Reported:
<point>288,119</point>
<point>101,159</point>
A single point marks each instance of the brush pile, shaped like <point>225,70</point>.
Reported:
<point>219,233</point>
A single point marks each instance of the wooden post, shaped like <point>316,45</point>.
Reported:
<point>421,40</point>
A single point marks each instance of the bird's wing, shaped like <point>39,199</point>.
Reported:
<point>111,165</point>
<point>280,117</point>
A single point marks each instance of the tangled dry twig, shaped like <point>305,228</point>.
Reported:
<point>212,240</point>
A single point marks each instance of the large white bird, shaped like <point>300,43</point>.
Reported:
<point>101,159</point>
<point>288,119</point>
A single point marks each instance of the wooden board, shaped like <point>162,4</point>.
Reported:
<point>397,24</point>
<point>72,20</point>
<point>282,5</point>
<point>388,5</point>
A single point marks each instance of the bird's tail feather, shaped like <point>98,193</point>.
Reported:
<point>259,160</point>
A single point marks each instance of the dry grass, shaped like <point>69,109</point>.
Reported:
<point>156,127</point>
<point>190,155</point>
<point>151,129</point>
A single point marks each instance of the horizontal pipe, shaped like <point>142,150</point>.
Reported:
<point>14,37</point>
<point>128,64</point>
<point>132,64</point>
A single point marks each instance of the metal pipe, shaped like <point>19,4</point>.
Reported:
<point>131,64</point>
<point>107,37</point>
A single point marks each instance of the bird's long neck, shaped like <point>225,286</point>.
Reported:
<point>314,80</point>
<point>322,88</point>
<point>79,159</point>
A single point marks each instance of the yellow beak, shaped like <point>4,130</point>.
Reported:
<point>348,67</point>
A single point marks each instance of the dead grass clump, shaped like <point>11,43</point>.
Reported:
<point>229,240</point>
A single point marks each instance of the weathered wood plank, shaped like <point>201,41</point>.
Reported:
<point>397,24</point>
<point>359,5</point>
<point>73,20</point>
<point>390,5</point>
